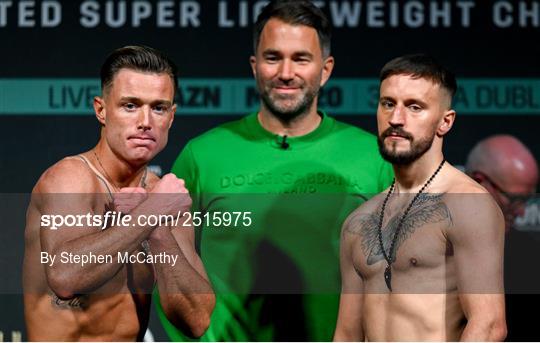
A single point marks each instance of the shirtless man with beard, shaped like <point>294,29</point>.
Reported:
<point>110,301</point>
<point>423,260</point>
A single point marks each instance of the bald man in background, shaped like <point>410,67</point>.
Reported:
<point>508,170</point>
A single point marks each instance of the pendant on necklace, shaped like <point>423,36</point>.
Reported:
<point>388,277</point>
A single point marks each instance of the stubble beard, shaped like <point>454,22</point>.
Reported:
<point>286,107</point>
<point>418,147</point>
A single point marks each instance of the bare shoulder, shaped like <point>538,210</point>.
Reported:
<point>64,185</point>
<point>462,190</point>
<point>459,182</point>
<point>470,204</point>
<point>69,175</point>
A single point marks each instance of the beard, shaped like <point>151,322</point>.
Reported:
<point>287,107</point>
<point>418,147</point>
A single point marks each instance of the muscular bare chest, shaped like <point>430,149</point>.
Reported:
<point>416,245</point>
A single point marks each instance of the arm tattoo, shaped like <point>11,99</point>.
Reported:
<point>76,303</point>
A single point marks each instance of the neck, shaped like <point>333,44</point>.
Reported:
<point>299,126</point>
<point>119,172</point>
<point>411,177</point>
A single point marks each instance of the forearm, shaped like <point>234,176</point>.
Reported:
<point>484,329</point>
<point>84,263</point>
<point>185,295</point>
<point>349,326</point>
<point>342,335</point>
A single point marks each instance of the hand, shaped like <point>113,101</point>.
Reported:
<point>172,195</point>
<point>128,198</point>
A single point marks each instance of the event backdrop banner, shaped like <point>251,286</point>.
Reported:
<point>52,51</point>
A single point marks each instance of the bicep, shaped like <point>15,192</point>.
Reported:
<point>349,323</point>
<point>477,236</point>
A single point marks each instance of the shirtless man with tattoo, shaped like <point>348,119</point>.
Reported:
<point>423,260</point>
<point>110,300</point>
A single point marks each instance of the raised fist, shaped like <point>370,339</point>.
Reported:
<point>128,198</point>
<point>172,195</point>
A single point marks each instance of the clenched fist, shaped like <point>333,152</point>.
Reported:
<point>171,194</point>
<point>128,198</point>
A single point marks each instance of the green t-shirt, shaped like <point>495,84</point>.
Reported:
<point>278,277</point>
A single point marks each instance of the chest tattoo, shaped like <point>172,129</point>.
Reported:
<point>428,209</point>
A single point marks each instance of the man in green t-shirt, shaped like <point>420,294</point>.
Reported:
<point>274,188</point>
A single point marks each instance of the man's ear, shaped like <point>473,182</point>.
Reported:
<point>253,63</point>
<point>447,121</point>
<point>328,66</point>
<point>99,109</point>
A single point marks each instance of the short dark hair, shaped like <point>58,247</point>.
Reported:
<point>295,12</point>
<point>421,66</point>
<point>138,58</point>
